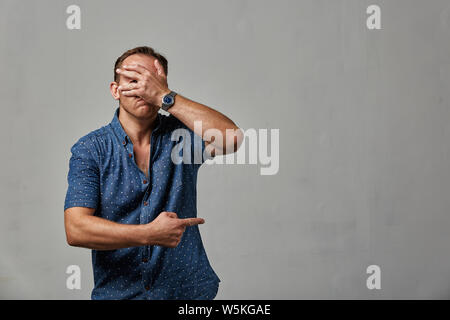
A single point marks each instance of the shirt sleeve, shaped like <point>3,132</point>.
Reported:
<point>83,179</point>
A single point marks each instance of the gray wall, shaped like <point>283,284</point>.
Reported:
<point>364,139</point>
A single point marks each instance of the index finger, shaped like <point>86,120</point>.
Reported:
<point>137,68</point>
<point>189,222</point>
<point>130,74</point>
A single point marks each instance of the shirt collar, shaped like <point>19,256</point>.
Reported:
<point>120,132</point>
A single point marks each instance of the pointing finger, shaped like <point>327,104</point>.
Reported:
<point>189,222</point>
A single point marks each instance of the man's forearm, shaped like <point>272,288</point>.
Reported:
<point>101,234</point>
<point>188,111</point>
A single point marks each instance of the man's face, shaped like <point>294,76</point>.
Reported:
<point>135,105</point>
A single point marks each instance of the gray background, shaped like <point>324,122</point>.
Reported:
<point>364,139</point>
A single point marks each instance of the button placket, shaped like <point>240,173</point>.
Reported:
<point>152,146</point>
<point>127,147</point>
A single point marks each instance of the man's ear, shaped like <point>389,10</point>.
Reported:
<point>114,91</point>
<point>159,68</point>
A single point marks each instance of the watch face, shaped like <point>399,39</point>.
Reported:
<point>167,99</point>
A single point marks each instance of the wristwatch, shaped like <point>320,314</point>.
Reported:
<point>168,100</point>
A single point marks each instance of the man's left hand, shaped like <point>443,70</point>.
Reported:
<point>150,86</point>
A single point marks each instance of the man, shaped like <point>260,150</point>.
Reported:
<point>127,199</point>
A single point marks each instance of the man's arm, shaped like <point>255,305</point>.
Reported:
<point>188,111</point>
<point>83,229</point>
<point>152,87</point>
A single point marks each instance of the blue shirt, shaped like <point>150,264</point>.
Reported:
<point>103,175</point>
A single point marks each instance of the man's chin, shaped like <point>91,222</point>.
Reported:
<point>140,103</point>
<point>140,108</point>
<point>145,107</point>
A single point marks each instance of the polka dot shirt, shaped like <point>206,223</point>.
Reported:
<point>103,175</point>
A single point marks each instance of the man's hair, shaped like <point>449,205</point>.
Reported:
<point>140,50</point>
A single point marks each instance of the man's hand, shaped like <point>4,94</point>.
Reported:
<point>167,229</point>
<point>149,86</point>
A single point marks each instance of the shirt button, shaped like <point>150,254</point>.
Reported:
<point>124,142</point>
<point>147,288</point>
<point>130,155</point>
<point>144,182</point>
<point>145,260</point>
<point>145,203</point>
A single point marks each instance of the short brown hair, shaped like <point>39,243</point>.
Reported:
<point>142,50</point>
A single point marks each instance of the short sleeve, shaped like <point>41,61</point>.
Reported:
<point>83,179</point>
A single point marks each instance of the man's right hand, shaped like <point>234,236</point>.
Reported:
<point>167,229</point>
